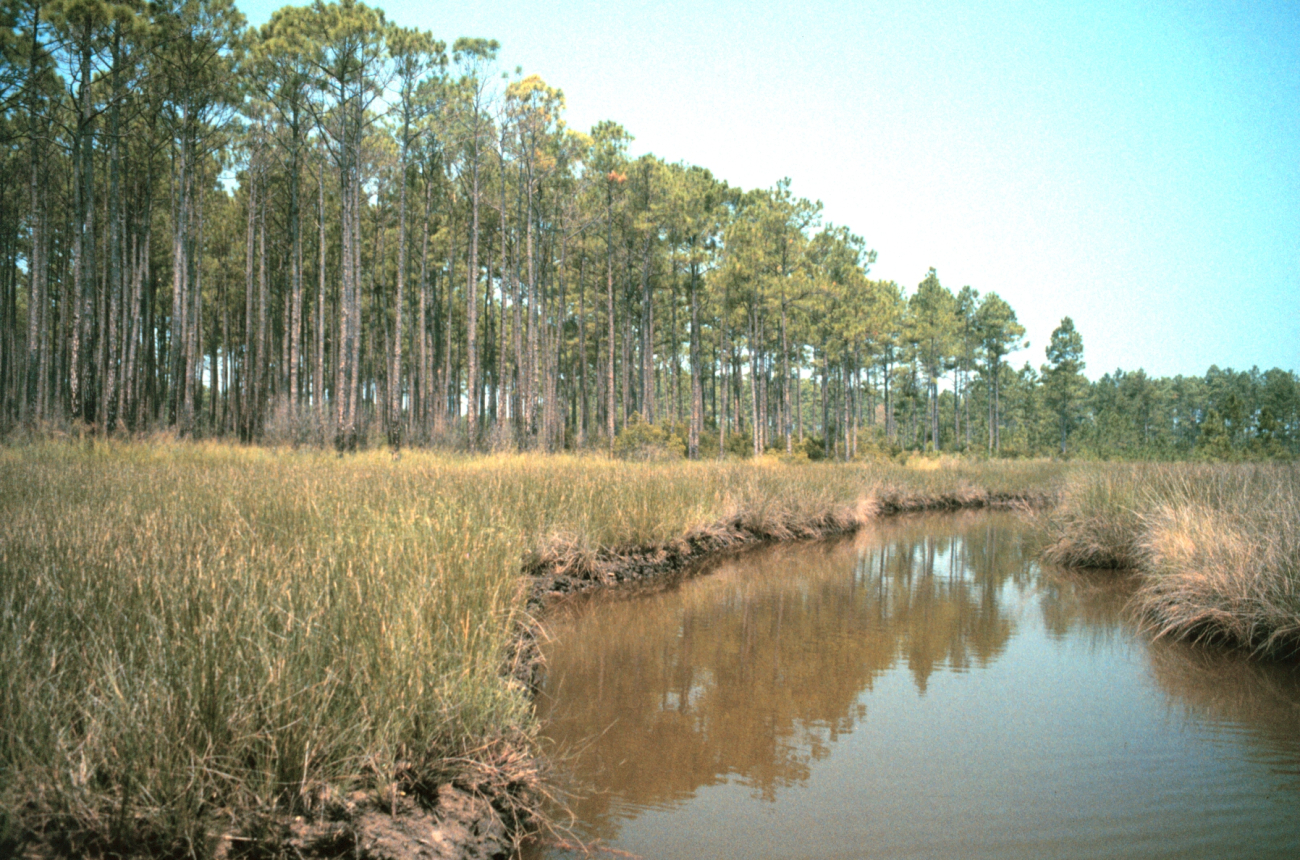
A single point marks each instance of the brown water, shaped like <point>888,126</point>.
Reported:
<point>923,689</point>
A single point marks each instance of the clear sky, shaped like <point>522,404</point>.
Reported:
<point>1134,166</point>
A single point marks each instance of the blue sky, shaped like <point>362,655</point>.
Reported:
<point>1134,166</point>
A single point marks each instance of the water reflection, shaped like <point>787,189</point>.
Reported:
<point>753,674</point>
<point>752,671</point>
<point>1088,603</point>
<point>1226,689</point>
<point>1259,701</point>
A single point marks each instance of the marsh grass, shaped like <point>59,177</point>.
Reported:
<point>192,635</point>
<point>1098,521</point>
<point>197,638</point>
<point>1218,546</point>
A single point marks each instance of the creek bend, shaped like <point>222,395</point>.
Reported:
<point>923,688</point>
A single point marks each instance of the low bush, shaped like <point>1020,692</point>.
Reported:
<point>641,440</point>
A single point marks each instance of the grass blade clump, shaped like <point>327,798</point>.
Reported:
<point>1222,560</point>
<point>188,640</point>
<point>1098,522</point>
<point>1217,546</point>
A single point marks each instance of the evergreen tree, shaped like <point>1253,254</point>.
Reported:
<point>1063,380</point>
<point>331,230</point>
<point>999,334</point>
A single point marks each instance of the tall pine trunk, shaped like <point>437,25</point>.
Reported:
<point>396,421</point>
<point>37,302</point>
<point>471,306</point>
<point>83,239</point>
<point>697,390</point>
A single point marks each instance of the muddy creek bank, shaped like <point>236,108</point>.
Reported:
<point>922,688</point>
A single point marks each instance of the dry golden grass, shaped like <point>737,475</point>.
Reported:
<point>1230,576</point>
<point>1097,522</point>
<point>1218,547</point>
<point>196,634</point>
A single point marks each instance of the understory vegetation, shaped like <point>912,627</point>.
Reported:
<point>196,640</point>
<point>1218,546</point>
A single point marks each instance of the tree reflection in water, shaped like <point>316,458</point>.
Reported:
<point>749,673</point>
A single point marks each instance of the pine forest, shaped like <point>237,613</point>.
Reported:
<point>336,231</point>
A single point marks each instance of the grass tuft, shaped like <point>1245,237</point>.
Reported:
<point>1218,546</point>
<point>1098,522</point>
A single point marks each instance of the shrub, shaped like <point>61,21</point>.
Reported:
<point>875,446</point>
<point>740,445</point>
<point>813,447</point>
<point>640,440</point>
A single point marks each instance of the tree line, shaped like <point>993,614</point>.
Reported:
<point>335,230</point>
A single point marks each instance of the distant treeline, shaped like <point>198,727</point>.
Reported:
<point>335,230</point>
<point>1223,415</point>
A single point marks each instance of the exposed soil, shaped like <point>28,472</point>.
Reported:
<point>562,571</point>
<point>456,824</point>
<point>459,821</point>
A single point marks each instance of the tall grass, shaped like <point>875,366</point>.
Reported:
<point>1218,546</point>
<point>194,638</point>
<point>196,634</point>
